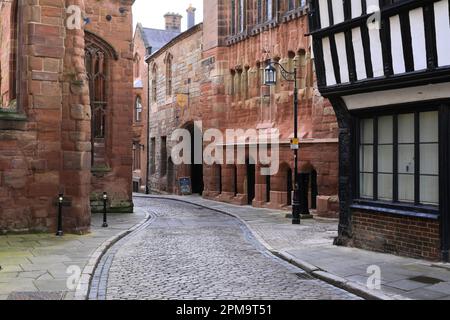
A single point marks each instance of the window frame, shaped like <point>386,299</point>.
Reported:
<point>138,111</point>
<point>395,206</point>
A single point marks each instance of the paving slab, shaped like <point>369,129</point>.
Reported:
<point>35,266</point>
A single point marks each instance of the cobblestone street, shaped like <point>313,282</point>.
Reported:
<point>192,253</point>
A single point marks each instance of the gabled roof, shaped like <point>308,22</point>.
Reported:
<point>156,38</point>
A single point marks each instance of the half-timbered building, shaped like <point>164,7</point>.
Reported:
<point>385,67</point>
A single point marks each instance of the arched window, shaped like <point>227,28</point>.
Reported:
<point>154,83</point>
<point>10,25</point>
<point>168,61</point>
<point>137,66</point>
<point>138,109</point>
<point>99,55</point>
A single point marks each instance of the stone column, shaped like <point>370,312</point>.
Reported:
<point>76,130</point>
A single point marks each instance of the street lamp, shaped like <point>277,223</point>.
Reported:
<point>270,79</point>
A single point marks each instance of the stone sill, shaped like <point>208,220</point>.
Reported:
<point>100,170</point>
<point>395,211</point>
<point>12,116</point>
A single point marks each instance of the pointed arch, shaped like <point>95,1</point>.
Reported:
<point>168,60</point>
<point>94,41</point>
<point>98,57</point>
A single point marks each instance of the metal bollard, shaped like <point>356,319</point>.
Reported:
<point>60,233</point>
<point>105,218</point>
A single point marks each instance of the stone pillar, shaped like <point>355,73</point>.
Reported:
<point>228,192</point>
<point>76,131</point>
<point>260,189</point>
<point>242,192</point>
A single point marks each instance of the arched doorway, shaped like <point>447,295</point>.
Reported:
<point>170,176</point>
<point>218,176</point>
<point>196,169</point>
<point>251,179</point>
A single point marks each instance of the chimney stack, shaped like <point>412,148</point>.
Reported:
<point>173,21</point>
<point>191,16</point>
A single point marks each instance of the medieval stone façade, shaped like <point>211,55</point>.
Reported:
<point>216,71</point>
<point>65,113</point>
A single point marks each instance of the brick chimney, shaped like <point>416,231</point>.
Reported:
<point>190,16</point>
<point>173,21</point>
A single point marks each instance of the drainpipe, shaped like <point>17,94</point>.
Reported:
<point>147,187</point>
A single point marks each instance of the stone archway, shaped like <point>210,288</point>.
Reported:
<point>310,173</point>
<point>195,170</point>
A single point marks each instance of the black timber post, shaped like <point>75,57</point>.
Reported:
<point>444,180</point>
<point>345,170</point>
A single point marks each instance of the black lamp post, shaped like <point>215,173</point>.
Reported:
<point>105,218</point>
<point>270,79</point>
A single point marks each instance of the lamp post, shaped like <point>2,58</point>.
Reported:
<point>105,218</point>
<point>270,79</point>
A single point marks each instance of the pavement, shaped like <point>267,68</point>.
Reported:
<point>310,247</point>
<point>40,266</point>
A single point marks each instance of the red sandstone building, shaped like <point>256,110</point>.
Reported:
<point>213,73</point>
<point>65,111</point>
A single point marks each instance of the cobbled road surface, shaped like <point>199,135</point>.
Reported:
<point>191,253</point>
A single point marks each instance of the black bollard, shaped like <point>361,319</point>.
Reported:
<point>105,217</point>
<point>60,233</point>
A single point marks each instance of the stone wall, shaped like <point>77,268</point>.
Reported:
<point>182,107</point>
<point>45,145</point>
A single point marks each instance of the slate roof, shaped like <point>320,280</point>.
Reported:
<point>157,38</point>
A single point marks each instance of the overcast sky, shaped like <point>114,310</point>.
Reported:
<point>150,12</point>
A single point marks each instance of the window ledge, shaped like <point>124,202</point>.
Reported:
<point>12,116</point>
<point>293,14</point>
<point>399,211</point>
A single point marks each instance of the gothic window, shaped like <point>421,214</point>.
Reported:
<point>241,15</point>
<point>137,66</point>
<point>233,17</point>
<point>138,109</point>
<point>269,10</point>
<point>10,25</point>
<point>154,83</point>
<point>136,156</point>
<point>259,12</point>
<point>168,61</point>
<point>98,57</point>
